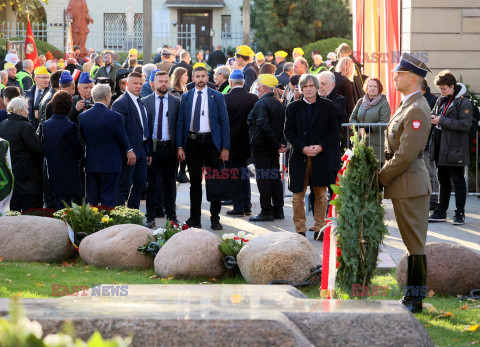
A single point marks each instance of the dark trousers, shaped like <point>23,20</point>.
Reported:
<point>159,204</point>
<point>244,203</point>
<point>23,202</point>
<point>102,188</point>
<point>49,198</point>
<point>67,198</point>
<point>201,152</point>
<point>164,163</point>
<point>445,175</point>
<point>133,181</point>
<point>269,183</point>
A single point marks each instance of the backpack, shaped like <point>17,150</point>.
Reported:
<point>472,132</point>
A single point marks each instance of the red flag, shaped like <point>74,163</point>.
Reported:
<point>30,48</point>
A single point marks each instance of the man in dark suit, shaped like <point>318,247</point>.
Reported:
<point>185,63</point>
<point>162,111</point>
<point>133,179</point>
<point>107,147</point>
<point>63,151</point>
<point>203,137</point>
<point>312,130</point>
<point>35,94</point>
<point>239,104</point>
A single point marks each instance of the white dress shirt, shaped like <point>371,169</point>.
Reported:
<point>406,97</point>
<point>165,132</point>
<point>204,116</point>
<point>135,102</point>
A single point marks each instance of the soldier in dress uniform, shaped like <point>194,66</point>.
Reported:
<point>405,176</point>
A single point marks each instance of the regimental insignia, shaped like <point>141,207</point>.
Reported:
<point>416,124</point>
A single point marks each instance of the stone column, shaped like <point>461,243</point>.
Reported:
<point>147,31</point>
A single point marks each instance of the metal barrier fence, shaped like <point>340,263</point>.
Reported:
<point>375,137</point>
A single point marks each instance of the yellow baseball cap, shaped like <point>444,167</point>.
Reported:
<point>61,65</point>
<point>245,51</point>
<point>267,80</point>
<point>8,66</point>
<point>260,56</point>
<point>282,54</point>
<point>298,50</point>
<point>198,65</point>
<point>132,51</point>
<point>41,70</point>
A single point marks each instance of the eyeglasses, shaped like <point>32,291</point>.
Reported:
<point>43,77</point>
<point>443,89</point>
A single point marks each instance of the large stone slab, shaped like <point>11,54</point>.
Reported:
<point>220,315</point>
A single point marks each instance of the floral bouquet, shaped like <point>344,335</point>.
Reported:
<point>160,237</point>
<point>231,245</point>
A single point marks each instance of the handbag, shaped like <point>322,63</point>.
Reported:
<point>224,183</point>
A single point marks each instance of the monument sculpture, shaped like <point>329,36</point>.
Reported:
<point>78,12</point>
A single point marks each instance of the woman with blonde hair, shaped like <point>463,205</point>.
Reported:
<point>344,72</point>
<point>178,81</point>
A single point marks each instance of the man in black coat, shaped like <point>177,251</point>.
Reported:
<point>312,130</point>
<point>216,58</point>
<point>63,151</point>
<point>244,58</point>
<point>239,104</point>
<point>265,127</point>
<point>35,94</point>
<point>26,151</point>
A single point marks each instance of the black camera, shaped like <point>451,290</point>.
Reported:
<point>88,104</point>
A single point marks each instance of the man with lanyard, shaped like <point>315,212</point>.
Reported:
<point>405,176</point>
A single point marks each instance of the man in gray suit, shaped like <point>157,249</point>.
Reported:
<point>162,113</point>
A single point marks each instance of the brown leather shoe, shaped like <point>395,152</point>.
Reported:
<point>151,224</point>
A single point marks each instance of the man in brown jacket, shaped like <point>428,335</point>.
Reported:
<point>405,176</point>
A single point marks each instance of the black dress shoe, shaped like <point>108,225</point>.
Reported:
<point>279,215</point>
<point>173,219</point>
<point>159,213</point>
<point>262,218</point>
<point>303,234</point>
<point>227,202</point>
<point>235,213</point>
<point>316,236</point>
<point>193,224</point>
<point>216,226</point>
<point>311,229</point>
<point>182,178</point>
<point>150,224</point>
<point>248,212</point>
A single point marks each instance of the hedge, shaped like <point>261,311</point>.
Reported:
<point>324,46</point>
<point>42,47</point>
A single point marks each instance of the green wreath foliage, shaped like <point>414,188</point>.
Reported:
<point>360,226</point>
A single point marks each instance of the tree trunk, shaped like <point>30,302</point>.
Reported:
<point>147,31</point>
<point>246,22</point>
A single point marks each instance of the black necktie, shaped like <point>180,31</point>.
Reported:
<point>160,120</point>
<point>144,118</point>
<point>37,101</point>
<point>196,113</point>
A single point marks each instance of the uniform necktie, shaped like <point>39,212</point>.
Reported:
<point>37,100</point>
<point>160,120</point>
<point>144,118</point>
<point>196,113</point>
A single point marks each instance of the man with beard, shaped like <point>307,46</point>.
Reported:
<point>203,137</point>
<point>162,112</point>
<point>121,84</point>
<point>109,69</point>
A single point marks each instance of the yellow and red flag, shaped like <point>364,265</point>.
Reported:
<point>30,48</point>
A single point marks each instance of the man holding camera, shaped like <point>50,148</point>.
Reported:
<point>84,101</point>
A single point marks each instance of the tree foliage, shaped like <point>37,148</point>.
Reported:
<point>360,227</point>
<point>285,24</point>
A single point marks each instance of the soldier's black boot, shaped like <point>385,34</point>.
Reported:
<point>416,289</point>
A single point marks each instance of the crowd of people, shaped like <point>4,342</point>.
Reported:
<point>112,131</point>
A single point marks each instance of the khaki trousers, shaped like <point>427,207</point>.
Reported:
<point>320,207</point>
<point>412,221</point>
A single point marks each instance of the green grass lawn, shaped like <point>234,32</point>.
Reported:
<point>35,280</point>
